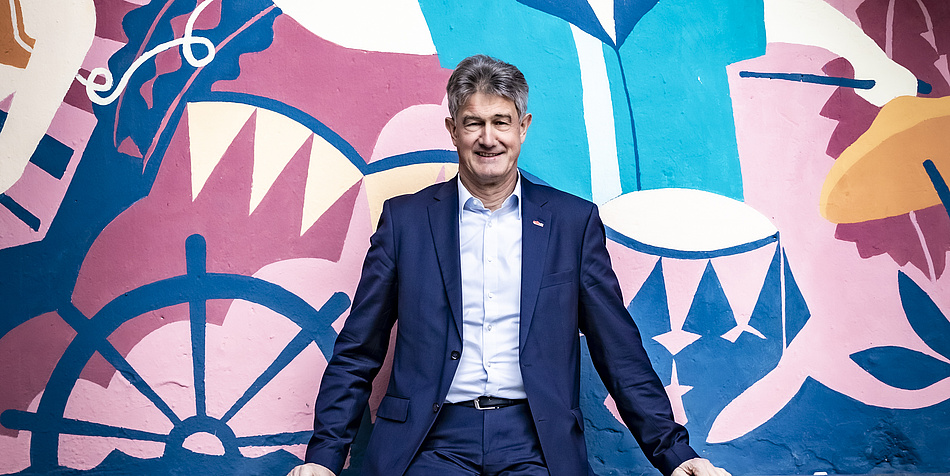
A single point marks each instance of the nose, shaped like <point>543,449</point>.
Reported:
<point>487,137</point>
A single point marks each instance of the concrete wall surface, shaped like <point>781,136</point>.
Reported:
<point>188,187</point>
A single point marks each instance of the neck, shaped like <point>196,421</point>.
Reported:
<point>491,195</point>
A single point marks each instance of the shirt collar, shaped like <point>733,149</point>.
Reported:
<point>465,195</point>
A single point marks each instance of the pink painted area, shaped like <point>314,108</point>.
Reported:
<point>419,127</point>
<point>146,242</point>
<point>16,449</point>
<point>37,191</point>
<point>28,354</point>
<point>356,96</point>
<point>742,276</point>
<point>854,301</point>
<point>99,53</point>
<point>632,268</point>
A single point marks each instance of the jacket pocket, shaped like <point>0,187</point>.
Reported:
<point>393,408</point>
<point>554,279</point>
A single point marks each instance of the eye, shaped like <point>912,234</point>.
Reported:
<point>502,125</point>
<point>472,126</point>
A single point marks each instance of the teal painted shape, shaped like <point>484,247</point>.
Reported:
<point>675,63</point>
<point>924,316</point>
<point>542,47</point>
<point>650,311</point>
<point>901,367</point>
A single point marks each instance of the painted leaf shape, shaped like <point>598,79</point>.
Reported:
<point>902,367</point>
<point>924,316</point>
<point>579,13</point>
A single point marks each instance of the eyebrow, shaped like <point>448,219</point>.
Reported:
<point>478,118</point>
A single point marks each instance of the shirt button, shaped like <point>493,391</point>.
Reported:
<point>435,407</point>
<point>489,327</point>
<point>491,295</point>
<point>455,355</point>
<point>490,224</point>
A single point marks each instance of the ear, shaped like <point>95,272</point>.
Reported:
<point>525,122</point>
<point>450,126</point>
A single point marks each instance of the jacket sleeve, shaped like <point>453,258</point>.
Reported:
<point>358,353</point>
<point>620,359</point>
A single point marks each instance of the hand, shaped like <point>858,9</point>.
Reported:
<point>699,467</point>
<point>311,469</point>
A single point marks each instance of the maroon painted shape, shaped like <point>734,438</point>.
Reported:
<point>28,354</point>
<point>898,237</point>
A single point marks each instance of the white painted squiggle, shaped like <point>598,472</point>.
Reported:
<point>15,26</point>
<point>187,41</point>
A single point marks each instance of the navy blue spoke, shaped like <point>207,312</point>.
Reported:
<point>940,185</point>
<point>290,352</point>
<point>86,329</point>
<point>633,123</point>
<point>29,421</point>
<point>280,439</point>
<point>195,256</point>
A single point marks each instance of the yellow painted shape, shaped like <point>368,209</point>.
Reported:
<point>881,174</point>
<point>277,138</point>
<point>329,176</point>
<point>212,127</point>
<point>384,185</point>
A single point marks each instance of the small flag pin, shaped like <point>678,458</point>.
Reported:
<point>538,223</point>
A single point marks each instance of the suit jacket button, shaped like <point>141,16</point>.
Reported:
<point>435,407</point>
<point>455,355</point>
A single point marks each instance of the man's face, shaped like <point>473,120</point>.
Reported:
<point>488,136</point>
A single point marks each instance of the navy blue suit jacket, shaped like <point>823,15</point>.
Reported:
<point>412,275</point>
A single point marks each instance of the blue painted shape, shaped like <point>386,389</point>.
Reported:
<point>796,309</point>
<point>21,213</point>
<point>675,64</point>
<point>650,311</point>
<point>633,244</point>
<point>812,78</point>
<point>710,314</point>
<point>720,370</point>
<point>940,185</point>
<point>577,12</point>
<point>924,316</point>
<point>196,286</point>
<point>902,367</point>
<point>542,47</point>
<point>924,87</point>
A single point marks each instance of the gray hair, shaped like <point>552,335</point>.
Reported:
<point>487,75</point>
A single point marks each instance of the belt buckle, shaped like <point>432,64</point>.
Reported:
<point>478,405</point>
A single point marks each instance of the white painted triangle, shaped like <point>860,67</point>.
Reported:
<point>276,139</point>
<point>329,176</point>
<point>682,278</point>
<point>676,340</point>
<point>212,126</point>
<point>604,9</point>
<point>742,277</point>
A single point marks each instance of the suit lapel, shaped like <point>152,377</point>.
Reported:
<point>443,222</point>
<point>536,229</point>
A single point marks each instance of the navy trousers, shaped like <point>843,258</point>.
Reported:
<point>465,441</point>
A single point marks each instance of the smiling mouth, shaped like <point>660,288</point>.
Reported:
<point>488,154</point>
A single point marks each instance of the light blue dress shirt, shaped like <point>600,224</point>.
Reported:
<point>490,247</point>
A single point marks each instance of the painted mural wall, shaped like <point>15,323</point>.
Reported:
<point>188,189</point>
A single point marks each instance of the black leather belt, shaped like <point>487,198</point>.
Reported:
<point>490,403</point>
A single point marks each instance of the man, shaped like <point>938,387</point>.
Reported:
<point>491,277</point>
